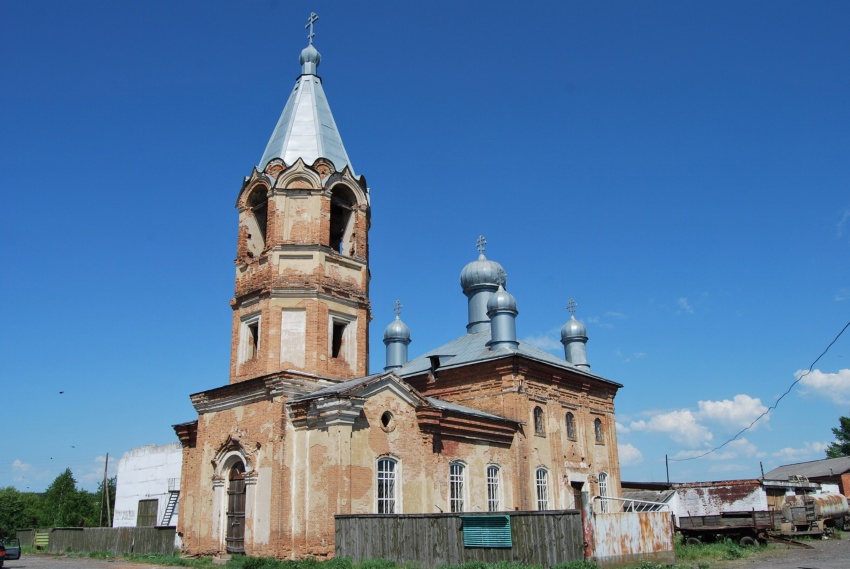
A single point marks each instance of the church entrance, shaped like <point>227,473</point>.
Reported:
<point>236,509</point>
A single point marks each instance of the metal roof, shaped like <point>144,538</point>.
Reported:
<point>472,348</point>
<point>811,469</point>
<point>306,128</point>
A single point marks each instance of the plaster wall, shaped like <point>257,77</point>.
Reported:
<point>144,474</point>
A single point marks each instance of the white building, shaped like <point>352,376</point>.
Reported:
<point>147,486</point>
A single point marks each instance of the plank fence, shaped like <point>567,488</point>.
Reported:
<point>536,538</point>
<point>115,540</point>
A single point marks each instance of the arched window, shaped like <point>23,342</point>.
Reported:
<point>387,472</point>
<point>597,428</point>
<point>342,239</point>
<point>603,491</point>
<point>257,220</point>
<point>457,486</point>
<point>571,426</point>
<point>541,477</point>
<point>236,509</point>
<point>539,427</point>
<point>493,489</point>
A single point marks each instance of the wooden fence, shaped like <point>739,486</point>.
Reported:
<point>538,538</point>
<point>114,540</point>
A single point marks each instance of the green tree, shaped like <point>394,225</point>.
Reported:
<point>110,484</point>
<point>63,505</point>
<point>841,446</point>
<point>18,510</point>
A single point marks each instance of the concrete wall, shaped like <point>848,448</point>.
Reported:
<point>144,474</point>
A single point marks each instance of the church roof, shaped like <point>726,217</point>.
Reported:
<point>350,387</point>
<point>306,128</point>
<point>473,348</point>
<point>812,469</point>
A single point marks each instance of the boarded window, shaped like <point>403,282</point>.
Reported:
<point>146,516</point>
<point>293,336</point>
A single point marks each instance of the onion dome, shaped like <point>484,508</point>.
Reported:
<point>310,59</point>
<point>573,330</point>
<point>501,301</point>
<point>482,273</point>
<point>397,330</point>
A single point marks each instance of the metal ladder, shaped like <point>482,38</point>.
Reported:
<point>170,507</point>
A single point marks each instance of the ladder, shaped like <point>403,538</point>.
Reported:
<point>170,507</point>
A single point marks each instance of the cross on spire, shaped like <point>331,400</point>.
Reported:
<point>571,306</point>
<point>480,244</point>
<point>397,308</point>
<point>310,21</point>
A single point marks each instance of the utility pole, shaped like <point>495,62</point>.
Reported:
<point>104,495</point>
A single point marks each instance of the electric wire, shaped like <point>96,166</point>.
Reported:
<point>772,407</point>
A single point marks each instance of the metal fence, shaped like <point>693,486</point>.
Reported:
<point>114,540</point>
<point>536,538</point>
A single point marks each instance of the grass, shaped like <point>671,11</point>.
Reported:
<point>688,557</point>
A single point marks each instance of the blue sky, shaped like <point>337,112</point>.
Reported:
<point>679,168</point>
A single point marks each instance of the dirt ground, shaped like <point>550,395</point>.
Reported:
<point>826,554</point>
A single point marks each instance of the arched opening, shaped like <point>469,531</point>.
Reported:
<point>603,492</point>
<point>597,428</point>
<point>256,221</point>
<point>539,427</point>
<point>494,490</point>
<point>571,426</point>
<point>343,204</point>
<point>387,485</point>
<point>236,509</point>
<point>541,479</point>
<point>457,486</point>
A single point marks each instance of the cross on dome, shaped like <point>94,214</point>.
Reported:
<point>571,306</point>
<point>397,308</point>
<point>310,21</point>
<point>480,244</point>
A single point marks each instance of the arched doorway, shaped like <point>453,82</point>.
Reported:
<point>236,509</point>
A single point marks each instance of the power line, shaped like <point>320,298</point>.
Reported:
<point>769,409</point>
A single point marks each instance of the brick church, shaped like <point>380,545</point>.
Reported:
<point>303,431</point>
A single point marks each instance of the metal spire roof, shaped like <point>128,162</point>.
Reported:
<point>306,128</point>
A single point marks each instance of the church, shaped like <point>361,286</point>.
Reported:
<point>303,431</point>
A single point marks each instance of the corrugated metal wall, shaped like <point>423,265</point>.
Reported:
<point>539,538</point>
<point>633,536</point>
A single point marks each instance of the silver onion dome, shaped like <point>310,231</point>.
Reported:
<point>397,330</point>
<point>573,329</point>
<point>482,273</point>
<point>309,60</point>
<point>501,301</point>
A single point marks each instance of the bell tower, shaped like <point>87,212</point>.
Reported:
<point>301,299</point>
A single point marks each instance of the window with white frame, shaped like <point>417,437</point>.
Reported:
<point>387,472</point>
<point>457,486</point>
<point>542,483</point>
<point>493,489</point>
<point>249,337</point>
<point>603,491</point>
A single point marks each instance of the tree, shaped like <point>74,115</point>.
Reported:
<point>841,446</point>
<point>65,506</point>
<point>18,510</point>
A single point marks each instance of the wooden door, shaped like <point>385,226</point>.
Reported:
<point>236,509</point>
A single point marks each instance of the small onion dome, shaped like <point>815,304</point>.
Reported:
<point>573,329</point>
<point>309,60</point>
<point>501,301</point>
<point>482,273</point>
<point>397,330</point>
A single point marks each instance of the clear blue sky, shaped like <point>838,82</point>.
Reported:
<point>679,168</point>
